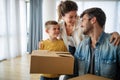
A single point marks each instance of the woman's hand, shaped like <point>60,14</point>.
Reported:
<point>115,38</point>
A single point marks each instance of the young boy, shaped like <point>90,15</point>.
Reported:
<point>52,44</point>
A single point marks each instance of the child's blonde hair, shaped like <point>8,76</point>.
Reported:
<point>52,22</point>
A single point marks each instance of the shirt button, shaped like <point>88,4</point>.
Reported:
<point>107,62</point>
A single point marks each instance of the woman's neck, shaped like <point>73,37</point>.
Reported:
<point>69,29</point>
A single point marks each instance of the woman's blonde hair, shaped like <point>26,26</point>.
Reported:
<point>65,7</point>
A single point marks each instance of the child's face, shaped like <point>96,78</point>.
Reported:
<point>53,31</point>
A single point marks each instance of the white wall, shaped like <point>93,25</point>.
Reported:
<point>49,13</point>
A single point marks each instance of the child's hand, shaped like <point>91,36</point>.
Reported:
<point>40,45</point>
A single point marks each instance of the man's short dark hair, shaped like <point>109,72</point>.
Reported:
<point>96,12</point>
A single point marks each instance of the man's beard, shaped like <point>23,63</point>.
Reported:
<point>85,31</point>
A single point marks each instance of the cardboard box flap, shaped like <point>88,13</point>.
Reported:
<point>64,54</point>
<point>50,53</point>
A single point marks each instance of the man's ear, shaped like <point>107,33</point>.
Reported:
<point>93,20</point>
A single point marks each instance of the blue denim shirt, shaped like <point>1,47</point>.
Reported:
<point>107,57</point>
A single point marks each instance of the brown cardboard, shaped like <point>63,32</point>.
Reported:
<point>49,62</point>
<point>89,77</point>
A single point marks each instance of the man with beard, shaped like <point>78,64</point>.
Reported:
<point>95,54</point>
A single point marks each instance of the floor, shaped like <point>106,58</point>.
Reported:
<point>17,69</point>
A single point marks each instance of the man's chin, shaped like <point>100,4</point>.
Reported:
<point>85,33</point>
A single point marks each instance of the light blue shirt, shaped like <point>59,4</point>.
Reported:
<point>106,57</point>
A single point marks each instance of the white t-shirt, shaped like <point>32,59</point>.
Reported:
<point>76,36</point>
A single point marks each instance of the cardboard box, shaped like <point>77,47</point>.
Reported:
<point>89,77</point>
<point>49,62</point>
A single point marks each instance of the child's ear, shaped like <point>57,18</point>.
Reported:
<point>46,30</point>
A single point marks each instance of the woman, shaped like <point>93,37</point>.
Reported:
<point>69,23</point>
<point>70,27</point>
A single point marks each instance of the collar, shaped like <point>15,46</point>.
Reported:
<point>100,39</point>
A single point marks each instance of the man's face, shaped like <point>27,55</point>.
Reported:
<point>86,25</point>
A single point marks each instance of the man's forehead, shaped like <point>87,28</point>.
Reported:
<point>85,16</point>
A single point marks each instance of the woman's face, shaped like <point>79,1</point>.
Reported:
<point>70,18</point>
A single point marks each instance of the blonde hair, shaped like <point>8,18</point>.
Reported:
<point>65,7</point>
<point>52,22</point>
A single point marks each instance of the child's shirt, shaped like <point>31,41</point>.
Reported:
<point>57,45</point>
